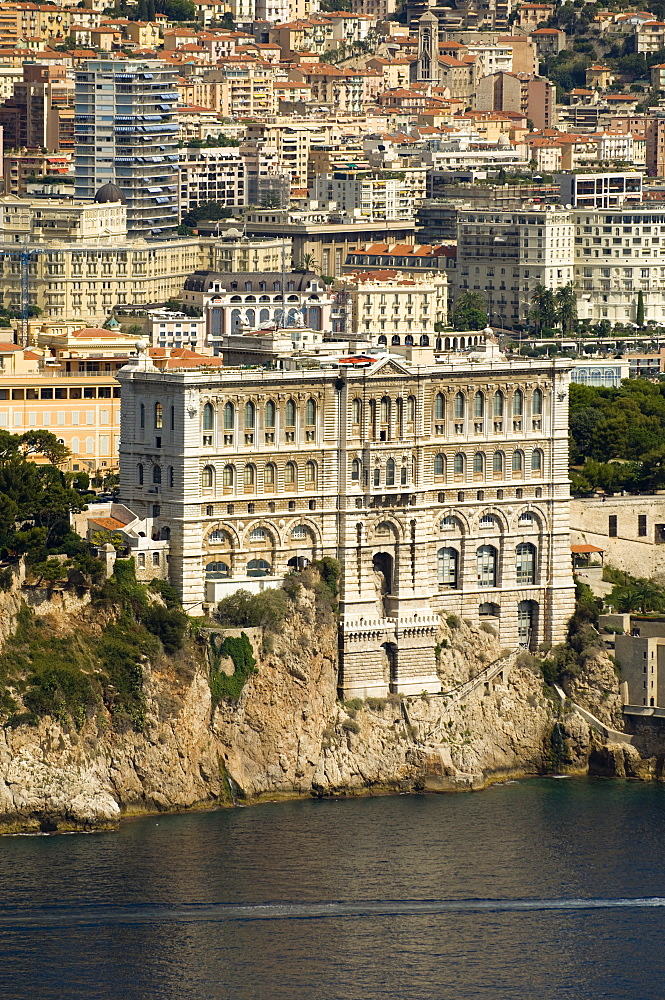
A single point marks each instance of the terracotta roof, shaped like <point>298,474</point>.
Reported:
<point>110,523</point>
<point>585,548</point>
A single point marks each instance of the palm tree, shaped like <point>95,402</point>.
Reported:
<point>544,312</point>
<point>306,263</point>
<point>566,307</point>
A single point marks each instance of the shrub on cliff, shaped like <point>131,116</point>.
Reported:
<point>225,686</point>
<point>241,609</point>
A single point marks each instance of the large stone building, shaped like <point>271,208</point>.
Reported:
<point>441,486</point>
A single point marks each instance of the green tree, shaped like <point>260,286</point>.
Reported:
<point>544,311</point>
<point>566,308</point>
<point>44,443</point>
<point>470,312</point>
<point>639,319</point>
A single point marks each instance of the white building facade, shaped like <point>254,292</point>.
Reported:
<point>441,488</point>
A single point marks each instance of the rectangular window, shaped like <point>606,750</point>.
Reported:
<point>641,525</point>
<point>612,526</point>
<point>89,416</point>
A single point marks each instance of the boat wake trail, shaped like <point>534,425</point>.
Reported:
<point>96,915</point>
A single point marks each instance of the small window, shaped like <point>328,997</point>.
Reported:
<point>249,416</point>
<point>248,477</point>
<point>257,535</point>
<point>310,473</point>
<point>290,413</point>
<point>228,417</point>
<point>290,473</point>
<point>157,474</point>
<point>357,410</point>
<point>355,470</point>
<point>641,524</point>
<point>439,407</point>
<point>208,417</point>
<point>269,474</point>
<point>478,405</point>
<point>228,476</point>
<point>158,416</point>
<point>536,460</point>
<point>139,475</point>
<point>439,465</point>
<point>142,415</point>
<point>270,413</point>
<point>458,464</point>
<point>207,477</point>
<point>612,526</point>
<point>310,413</point>
<point>518,403</point>
<point>459,405</point>
<point>390,472</point>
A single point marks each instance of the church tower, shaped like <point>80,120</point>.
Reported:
<point>428,48</point>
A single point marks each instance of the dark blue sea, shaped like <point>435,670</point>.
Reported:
<point>539,889</point>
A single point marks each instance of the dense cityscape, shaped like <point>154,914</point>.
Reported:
<point>332,464</point>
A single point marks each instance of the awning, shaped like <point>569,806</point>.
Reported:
<point>581,549</point>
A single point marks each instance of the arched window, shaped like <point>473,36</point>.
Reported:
<point>486,566</point>
<point>446,567</point>
<point>390,472</point>
<point>526,563</point>
<point>498,403</point>
<point>157,475</point>
<point>372,417</point>
<point>357,410</point>
<point>395,341</point>
<point>270,413</point>
<point>208,417</point>
<point>173,418</point>
<point>139,474</point>
<point>459,405</point>
<point>290,473</point>
<point>439,465</point>
<point>479,405</point>
<point>228,477</point>
<point>536,460</point>
<point>404,475</point>
<point>258,567</point>
<point>269,474</point>
<point>290,413</point>
<point>385,410</point>
<point>497,462</point>
<point>411,409</point>
<point>207,477</point>
<point>74,445</point>
<point>377,476</point>
<point>310,413</point>
<point>169,478</point>
<point>518,403</point>
<point>537,402</point>
<point>458,464</point>
<point>142,415</point>
<point>158,416</point>
<point>355,470</point>
<point>518,461</point>
<point>478,463</point>
<point>310,473</point>
<point>249,416</point>
<point>229,414</point>
<point>249,475</point>
<point>424,340</point>
<point>439,406</point>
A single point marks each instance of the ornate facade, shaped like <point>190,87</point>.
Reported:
<point>440,486</point>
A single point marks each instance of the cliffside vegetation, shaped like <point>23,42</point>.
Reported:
<point>72,675</point>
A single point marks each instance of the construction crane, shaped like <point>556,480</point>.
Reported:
<point>24,255</point>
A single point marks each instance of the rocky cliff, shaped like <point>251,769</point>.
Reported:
<point>285,734</point>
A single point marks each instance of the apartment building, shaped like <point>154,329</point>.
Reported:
<point>618,254</point>
<point>40,113</point>
<point>126,133</point>
<point>439,487</point>
<point>370,195</point>
<point>210,174</point>
<point>83,264</point>
<point>395,309</point>
<point>505,254</point>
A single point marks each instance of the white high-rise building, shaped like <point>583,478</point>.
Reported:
<point>126,136</point>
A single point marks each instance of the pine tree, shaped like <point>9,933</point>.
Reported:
<point>151,10</point>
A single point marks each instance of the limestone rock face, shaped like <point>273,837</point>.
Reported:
<point>620,760</point>
<point>288,734</point>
